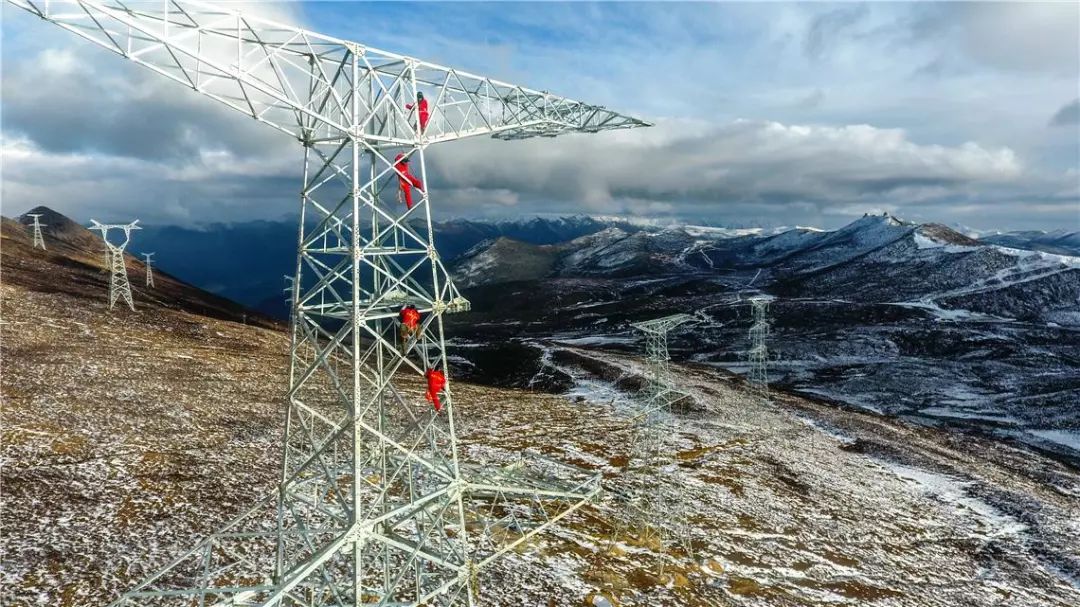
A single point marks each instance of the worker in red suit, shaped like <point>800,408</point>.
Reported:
<point>436,381</point>
<point>406,180</point>
<point>410,324</point>
<point>421,106</point>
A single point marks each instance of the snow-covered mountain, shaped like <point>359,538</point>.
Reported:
<point>877,258</point>
<point>916,320</point>
<point>1061,242</point>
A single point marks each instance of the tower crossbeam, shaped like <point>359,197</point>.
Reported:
<point>307,84</point>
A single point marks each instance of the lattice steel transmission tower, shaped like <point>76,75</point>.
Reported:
<point>288,290</point>
<point>661,392</point>
<point>39,240</point>
<point>374,505</point>
<point>758,354</point>
<point>119,285</point>
<point>652,511</point>
<point>149,270</point>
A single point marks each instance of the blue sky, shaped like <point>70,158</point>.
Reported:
<point>766,114</point>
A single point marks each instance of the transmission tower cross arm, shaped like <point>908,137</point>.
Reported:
<point>316,87</point>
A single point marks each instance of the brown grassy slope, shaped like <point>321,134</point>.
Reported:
<point>125,436</point>
<point>74,264</point>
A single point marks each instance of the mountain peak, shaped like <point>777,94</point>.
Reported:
<point>884,219</point>
<point>945,234</point>
<point>49,218</point>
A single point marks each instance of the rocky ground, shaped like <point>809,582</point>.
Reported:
<point>127,435</point>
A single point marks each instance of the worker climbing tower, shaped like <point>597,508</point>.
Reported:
<point>653,511</point>
<point>757,355</point>
<point>119,285</point>
<point>149,270</point>
<point>374,504</point>
<point>39,240</point>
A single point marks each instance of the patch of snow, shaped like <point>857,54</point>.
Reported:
<point>955,493</point>
<point>953,413</point>
<point>1066,438</point>
<point>958,314</point>
<point>923,242</point>
<point>839,397</point>
<point>826,429</point>
<point>595,340</point>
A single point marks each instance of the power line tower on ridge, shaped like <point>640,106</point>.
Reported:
<point>119,285</point>
<point>374,504</point>
<point>39,239</point>
<point>758,354</point>
<point>651,507</point>
<point>149,270</point>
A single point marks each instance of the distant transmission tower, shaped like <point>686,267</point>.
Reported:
<point>373,503</point>
<point>39,240</point>
<point>651,509</point>
<point>288,290</point>
<point>149,270</point>
<point>119,286</point>
<point>661,392</point>
<point>758,354</point>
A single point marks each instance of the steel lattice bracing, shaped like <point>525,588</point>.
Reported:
<point>374,505</point>
<point>39,240</point>
<point>661,392</point>
<point>652,510</point>
<point>149,269</point>
<point>303,83</point>
<point>758,354</point>
<point>119,285</point>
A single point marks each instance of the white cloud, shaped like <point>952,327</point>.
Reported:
<point>685,163</point>
<point>840,116</point>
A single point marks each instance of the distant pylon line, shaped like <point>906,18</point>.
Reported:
<point>39,240</point>
<point>119,285</point>
<point>149,270</point>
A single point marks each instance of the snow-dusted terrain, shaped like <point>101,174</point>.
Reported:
<point>916,321</point>
<point>128,435</point>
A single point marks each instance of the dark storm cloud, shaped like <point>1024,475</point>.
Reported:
<point>1069,114</point>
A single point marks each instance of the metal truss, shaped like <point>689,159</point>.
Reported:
<point>39,240</point>
<point>119,285</point>
<point>661,392</point>
<point>653,511</point>
<point>758,354</point>
<point>149,270</point>
<point>374,505</point>
<point>312,86</point>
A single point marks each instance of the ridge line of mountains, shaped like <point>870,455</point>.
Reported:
<point>917,321</point>
<point>245,262</point>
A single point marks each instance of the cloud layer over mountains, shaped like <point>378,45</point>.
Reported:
<point>784,114</point>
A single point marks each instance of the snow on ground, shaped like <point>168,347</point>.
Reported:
<point>954,493</point>
<point>114,463</point>
<point>596,340</point>
<point>1067,438</point>
<point>960,414</point>
<point>952,314</point>
<point>923,242</point>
